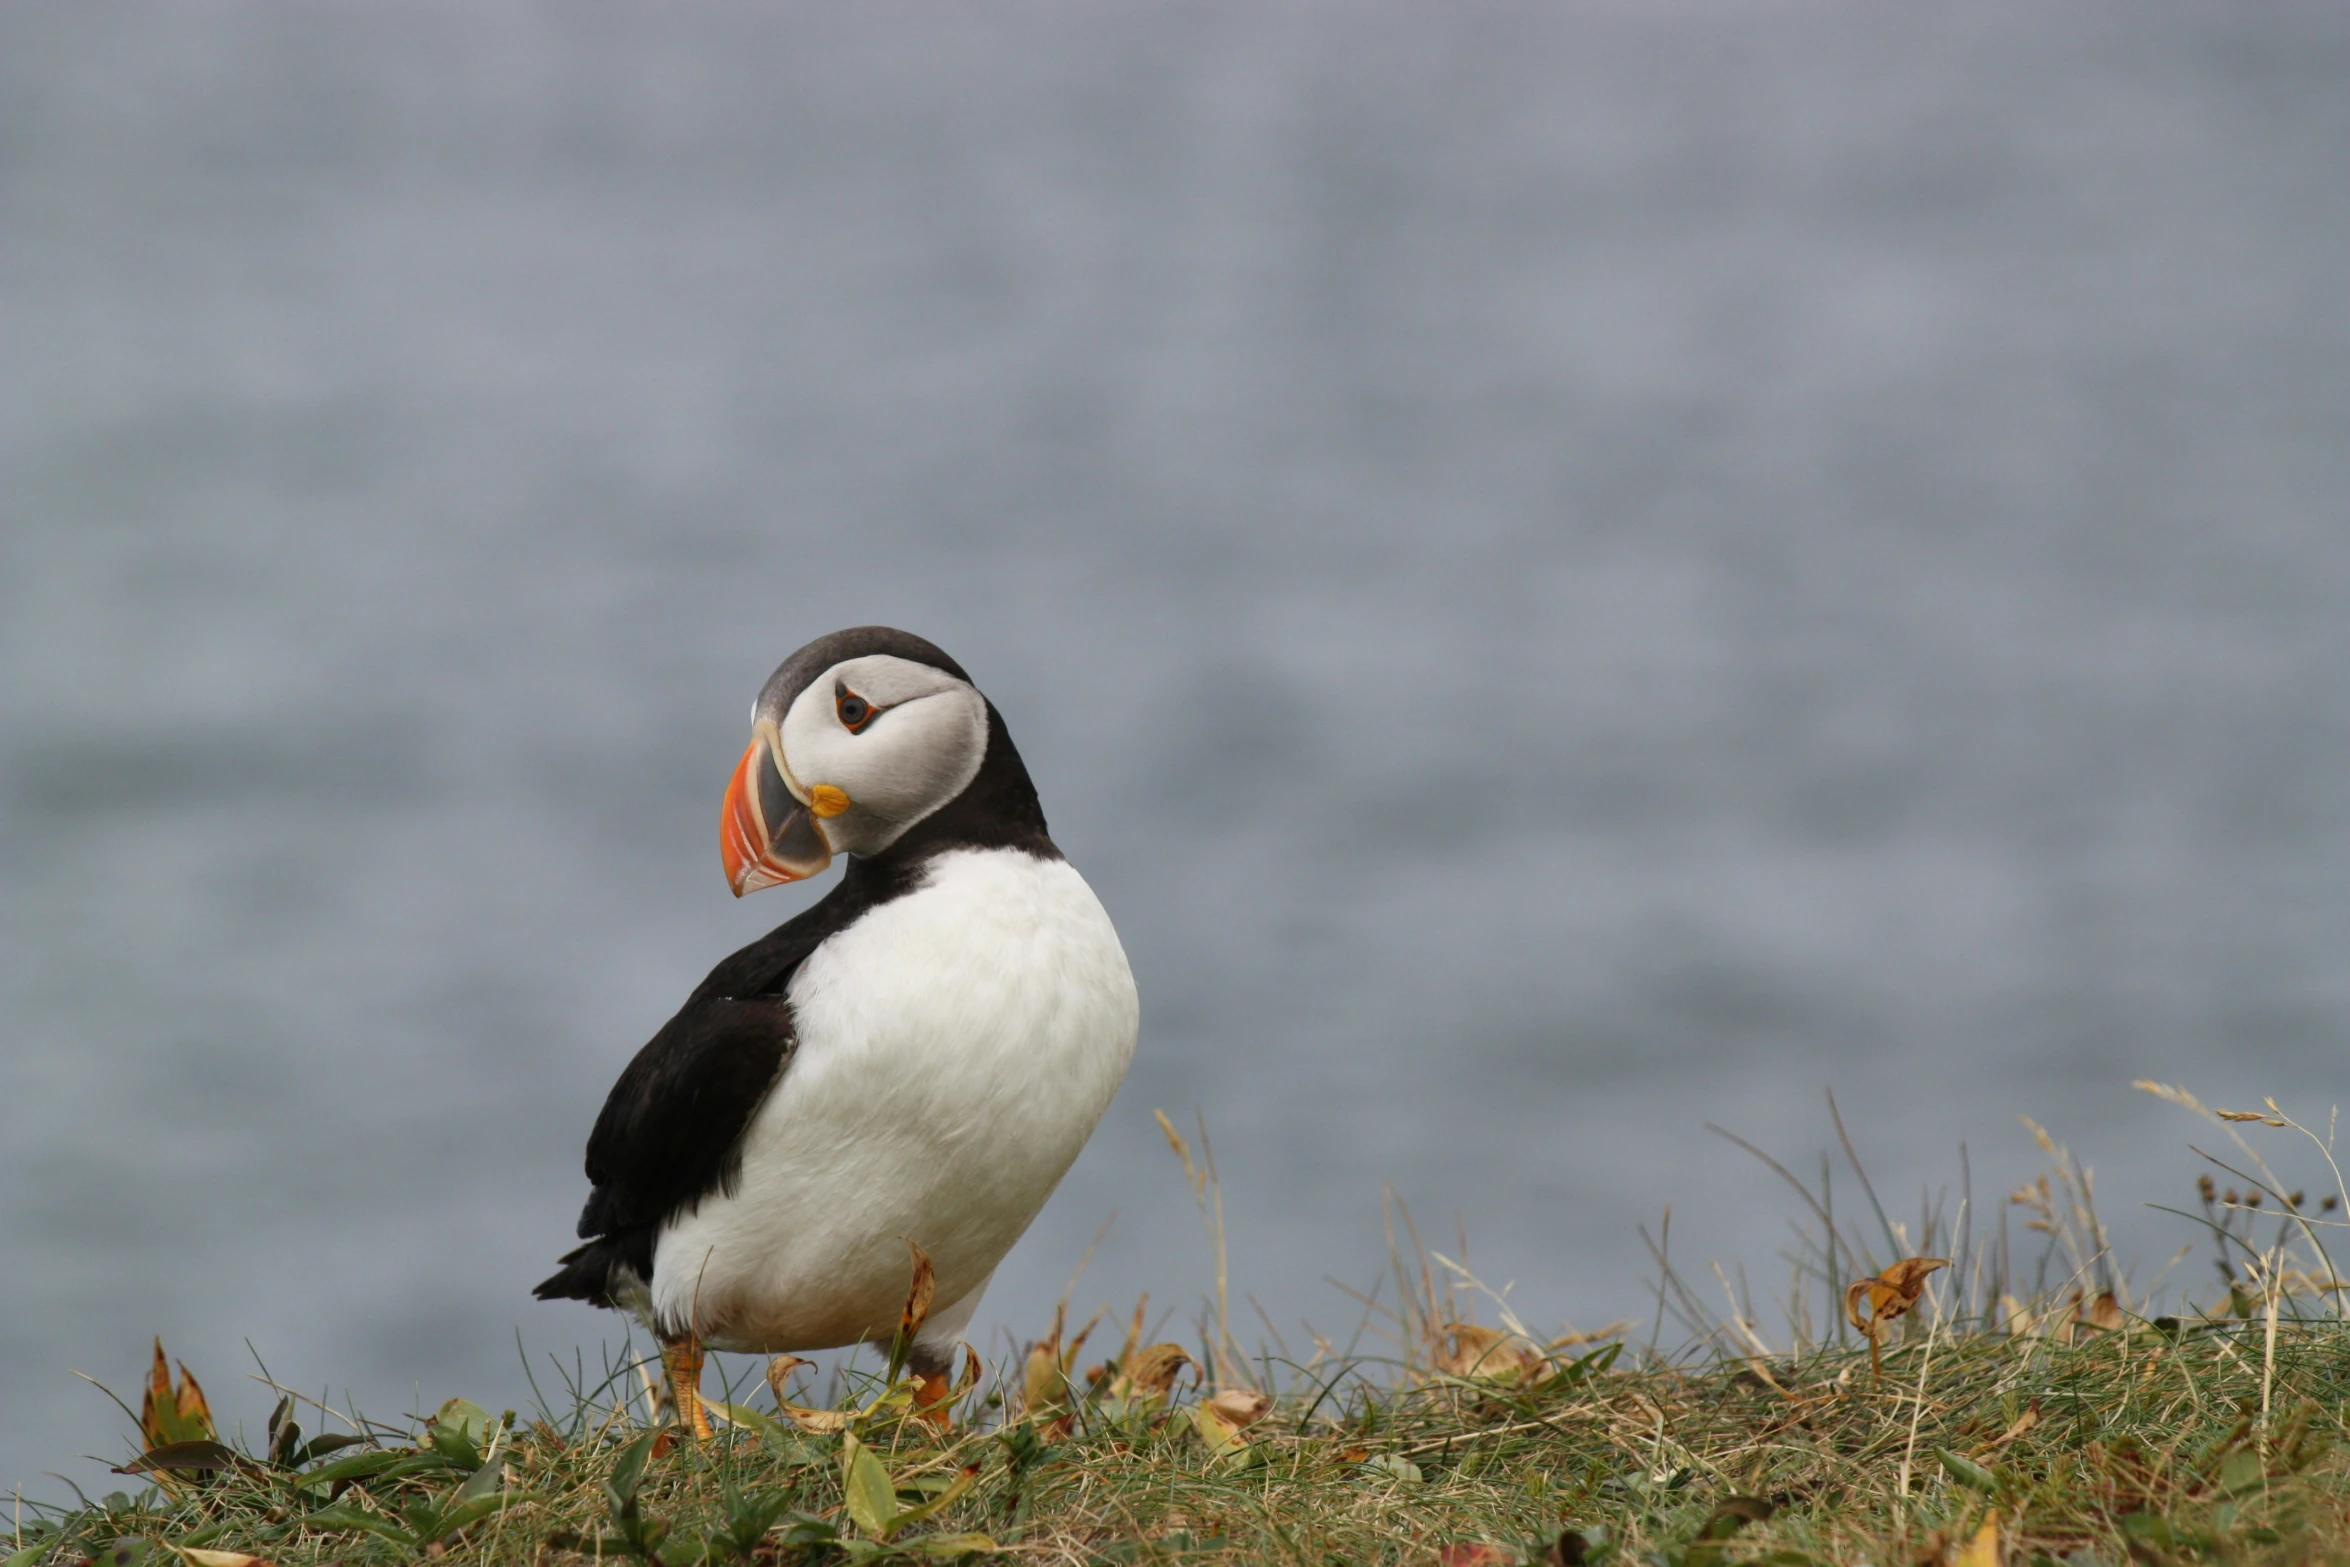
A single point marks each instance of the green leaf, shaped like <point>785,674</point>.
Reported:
<point>872,1500</point>
<point>128,1551</point>
<point>339,1516</point>
<point>334,1441</point>
<point>383,1464</point>
<point>1393,1466</point>
<point>184,1456</point>
<point>489,1479</point>
<point>937,1504</point>
<point>1966,1471</point>
<point>460,1432</point>
<point>464,1417</point>
<point>467,1513</point>
<point>26,1557</point>
<point>940,1547</point>
<point>2240,1472</point>
<point>764,1426</point>
<point>285,1434</point>
<point>628,1470</point>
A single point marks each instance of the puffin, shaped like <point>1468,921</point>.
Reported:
<point>917,1057</point>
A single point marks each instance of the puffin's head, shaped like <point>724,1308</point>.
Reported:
<point>858,736</point>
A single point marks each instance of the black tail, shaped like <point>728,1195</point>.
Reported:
<point>586,1274</point>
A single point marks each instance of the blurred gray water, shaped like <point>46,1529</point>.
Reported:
<point>1567,573</point>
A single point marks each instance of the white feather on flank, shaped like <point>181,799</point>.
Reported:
<point>956,1047</point>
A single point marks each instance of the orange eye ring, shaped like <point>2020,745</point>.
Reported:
<point>853,710</point>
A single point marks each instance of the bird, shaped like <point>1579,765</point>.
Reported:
<point>916,1058</point>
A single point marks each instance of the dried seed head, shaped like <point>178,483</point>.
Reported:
<point>2328,1203</point>
<point>2252,1199</point>
<point>2294,1201</point>
<point>2205,1188</point>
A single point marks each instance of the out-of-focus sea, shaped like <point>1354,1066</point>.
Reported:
<point>1567,573</point>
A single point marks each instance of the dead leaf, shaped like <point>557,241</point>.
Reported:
<point>1242,1407</point>
<point>1889,1295</point>
<point>1044,1379</point>
<point>1176,1142</point>
<point>2023,1422</point>
<point>197,1556</point>
<point>2105,1312</point>
<point>1983,1549</point>
<point>169,1414</point>
<point>918,1295</point>
<point>779,1372</point>
<point>1222,1438</point>
<point>1463,1349</point>
<point>1134,1330</point>
<point>819,1422</point>
<point>1148,1373</point>
<point>1476,1553</point>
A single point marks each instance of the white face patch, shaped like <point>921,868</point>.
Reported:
<point>919,745</point>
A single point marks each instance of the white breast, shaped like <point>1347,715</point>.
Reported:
<point>957,1046</point>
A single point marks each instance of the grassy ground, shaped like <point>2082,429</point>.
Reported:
<point>1996,1424</point>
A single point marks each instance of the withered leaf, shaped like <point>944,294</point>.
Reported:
<point>1891,1293</point>
<point>1044,1378</point>
<point>2023,1422</point>
<point>918,1295</point>
<point>819,1422</point>
<point>1043,1383</point>
<point>1148,1373</point>
<point>779,1372</point>
<point>1476,1553</point>
<point>1240,1406</point>
<point>2103,1312</point>
<point>185,1457</point>
<point>1222,1437</point>
<point>1983,1549</point>
<point>171,1414</point>
<point>1464,1349</point>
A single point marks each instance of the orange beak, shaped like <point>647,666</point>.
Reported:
<point>765,835</point>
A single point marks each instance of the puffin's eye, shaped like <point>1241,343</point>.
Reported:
<point>855,712</point>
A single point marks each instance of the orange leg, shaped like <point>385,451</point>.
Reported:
<point>682,1360</point>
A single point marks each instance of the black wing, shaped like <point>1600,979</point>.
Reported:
<point>671,1132</point>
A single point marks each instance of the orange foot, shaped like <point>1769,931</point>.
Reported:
<point>934,1395</point>
<point>682,1360</point>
